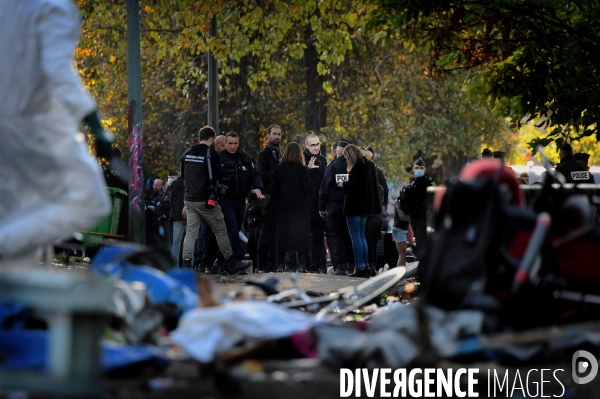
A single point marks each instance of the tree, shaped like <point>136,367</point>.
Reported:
<point>532,59</point>
<point>305,66</point>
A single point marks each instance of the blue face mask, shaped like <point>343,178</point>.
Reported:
<point>418,173</point>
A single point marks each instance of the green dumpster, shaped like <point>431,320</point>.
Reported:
<point>110,223</point>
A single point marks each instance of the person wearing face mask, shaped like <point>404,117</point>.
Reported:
<point>417,204</point>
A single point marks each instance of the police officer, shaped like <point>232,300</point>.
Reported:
<point>583,158</point>
<point>268,159</point>
<point>316,164</point>
<point>331,204</point>
<point>198,200</point>
<point>417,204</point>
<point>240,175</point>
<point>573,171</point>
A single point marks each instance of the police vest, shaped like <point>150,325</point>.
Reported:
<point>237,176</point>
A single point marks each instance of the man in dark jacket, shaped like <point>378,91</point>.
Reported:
<point>573,171</point>
<point>268,159</point>
<point>331,204</point>
<point>195,171</point>
<point>316,164</point>
<point>240,176</point>
<point>417,204</point>
<point>583,158</point>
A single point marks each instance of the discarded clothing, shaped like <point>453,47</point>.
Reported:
<point>207,332</point>
<point>113,262</point>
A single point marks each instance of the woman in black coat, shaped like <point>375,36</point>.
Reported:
<point>360,201</point>
<point>290,191</point>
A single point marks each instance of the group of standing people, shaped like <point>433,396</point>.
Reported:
<point>305,201</point>
<point>312,201</point>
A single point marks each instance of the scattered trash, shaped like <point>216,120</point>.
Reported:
<point>27,350</point>
<point>207,332</point>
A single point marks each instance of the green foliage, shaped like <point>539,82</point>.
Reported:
<point>372,87</point>
<point>533,59</point>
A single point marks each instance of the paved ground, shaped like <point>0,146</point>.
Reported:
<point>323,283</point>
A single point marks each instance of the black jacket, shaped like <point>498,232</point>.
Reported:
<point>362,198</point>
<point>239,174</point>
<point>291,190</point>
<point>330,191</point>
<point>177,193</point>
<point>267,161</point>
<point>194,172</point>
<point>417,197</point>
<point>316,176</point>
<point>573,171</point>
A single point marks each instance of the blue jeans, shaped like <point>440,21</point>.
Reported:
<point>356,226</point>
<point>233,212</point>
<point>178,230</point>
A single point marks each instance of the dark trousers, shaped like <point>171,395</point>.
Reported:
<point>267,243</point>
<point>329,245</point>
<point>168,237</point>
<point>419,227</point>
<point>253,233</point>
<point>290,259</point>
<point>317,244</point>
<point>340,235</point>
<point>233,212</point>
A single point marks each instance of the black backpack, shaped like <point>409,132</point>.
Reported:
<point>400,206</point>
<point>404,200</point>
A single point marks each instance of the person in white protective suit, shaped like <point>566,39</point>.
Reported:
<point>51,186</point>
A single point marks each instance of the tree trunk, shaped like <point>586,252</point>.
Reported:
<point>452,165</point>
<point>315,113</point>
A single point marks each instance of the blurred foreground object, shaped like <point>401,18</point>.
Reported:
<point>76,310</point>
<point>52,186</point>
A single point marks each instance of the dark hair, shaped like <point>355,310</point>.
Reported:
<point>115,152</point>
<point>334,145</point>
<point>206,133</point>
<point>371,150</point>
<point>293,154</point>
<point>566,150</point>
<point>232,134</point>
<point>272,127</point>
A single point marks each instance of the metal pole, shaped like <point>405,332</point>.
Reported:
<point>213,82</point>
<point>137,220</point>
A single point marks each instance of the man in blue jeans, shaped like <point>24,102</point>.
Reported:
<point>240,176</point>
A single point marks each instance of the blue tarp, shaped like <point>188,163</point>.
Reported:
<point>177,287</point>
<point>26,350</point>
